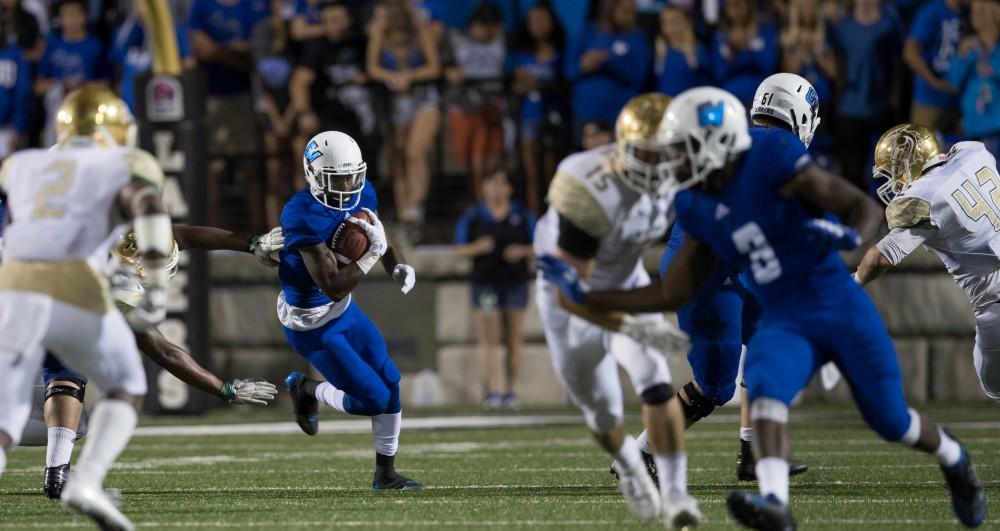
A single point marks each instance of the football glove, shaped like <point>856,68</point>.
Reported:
<point>267,246</point>
<point>564,276</point>
<point>830,376</point>
<point>405,276</point>
<point>378,244</point>
<point>255,391</point>
<point>150,310</point>
<point>658,334</point>
<point>832,235</point>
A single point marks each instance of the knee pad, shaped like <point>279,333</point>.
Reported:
<point>657,394</point>
<point>76,392</point>
<point>601,421</point>
<point>697,406</point>
<point>771,409</point>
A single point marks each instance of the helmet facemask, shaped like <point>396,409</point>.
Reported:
<point>898,174</point>
<point>638,161</point>
<point>688,162</point>
<point>338,188</point>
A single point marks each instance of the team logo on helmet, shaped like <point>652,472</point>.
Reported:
<point>711,114</point>
<point>312,151</point>
<point>811,98</point>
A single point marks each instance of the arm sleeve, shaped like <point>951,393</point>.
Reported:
<point>922,30</point>
<point>296,229</point>
<point>575,241</point>
<point>183,42</point>
<point>673,245</point>
<point>899,243</point>
<point>463,229</point>
<point>531,221</point>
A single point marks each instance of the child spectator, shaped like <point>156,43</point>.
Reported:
<point>745,50</point>
<point>681,61</point>
<point>933,41</point>
<point>537,79</point>
<point>476,96</point>
<point>72,58</point>
<point>497,235</point>
<point>15,96</point>
<point>401,54</point>
<point>596,134</point>
<point>975,72</point>
<point>608,64</point>
<point>130,51</point>
<point>270,41</point>
<point>868,41</point>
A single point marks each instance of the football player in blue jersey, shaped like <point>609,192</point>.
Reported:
<point>315,308</point>
<point>754,200</point>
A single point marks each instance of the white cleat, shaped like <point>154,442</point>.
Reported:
<point>90,500</point>
<point>680,511</point>
<point>640,494</point>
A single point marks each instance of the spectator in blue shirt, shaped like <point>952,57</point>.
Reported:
<point>15,97</point>
<point>933,41</point>
<point>868,41</point>
<point>72,56</point>
<point>537,72</point>
<point>744,49</point>
<point>497,235</point>
<point>681,61</point>
<point>129,52</point>
<point>975,73</point>
<point>608,63</point>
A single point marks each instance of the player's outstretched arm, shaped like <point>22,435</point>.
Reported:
<point>832,193</point>
<point>178,362</point>
<point>215,239</point>
<point>334,280</point>
<point>873,265</point>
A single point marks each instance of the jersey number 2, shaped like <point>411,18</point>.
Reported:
<point>44,207</point>
<point>750,240</point>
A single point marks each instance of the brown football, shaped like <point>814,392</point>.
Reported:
<point>349,242</point>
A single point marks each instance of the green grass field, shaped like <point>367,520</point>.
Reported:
<point>549,477</point>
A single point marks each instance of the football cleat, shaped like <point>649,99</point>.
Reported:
<point>55,478</point>
<point>394,481</point>
<point>968,498</point>
<point>650,468</point>
<point>746,464</point>
<point>757,512</point>
<point>304,405</point>
<point>680,510</point>
<point>640,495</point>
<point>90,500</point>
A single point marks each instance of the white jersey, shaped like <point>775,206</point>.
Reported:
<point>60,201</point>
<point>954,210</point>
<point>586,191</point>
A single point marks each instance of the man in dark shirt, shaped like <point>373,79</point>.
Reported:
<point>497,235</point>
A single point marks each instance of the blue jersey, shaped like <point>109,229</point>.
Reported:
<point>130,51</point>
<point>15,89</point>
<point>304,222</point>
<point>73,61</point>
<point>938,30</point>
<point>752,226</point>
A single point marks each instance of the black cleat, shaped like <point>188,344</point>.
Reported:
<point>393,481</point>
<point>304,404</point>
<point>758,512</point>
<point>968,498</point>
<point>650,468</point>
<point>55,478</point>
<point>746,465</point>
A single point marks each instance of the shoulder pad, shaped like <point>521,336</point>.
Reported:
<point>906,212</point>
<point>572,199</point>
<point>142,165</point>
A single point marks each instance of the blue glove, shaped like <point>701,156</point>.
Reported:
<point>832,235</point>
<point>563,276</point>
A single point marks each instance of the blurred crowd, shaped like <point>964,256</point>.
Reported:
<point>440,93</point>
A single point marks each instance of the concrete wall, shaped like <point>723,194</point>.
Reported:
<point>430,331</point>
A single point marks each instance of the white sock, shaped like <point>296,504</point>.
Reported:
<point>772,472</point>
<point>673,472</point>
<point>627,458</point>
<point>385,427</point>
<point>330,396</point>
<point>746,434</point>
<point>60,446</point>
<point>643,441</point>
<point>111,427</point>
<point>3,460</point>
<point>949,451</point>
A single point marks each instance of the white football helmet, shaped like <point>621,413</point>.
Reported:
<point>703,129</point>
<point>335,170</point>
<point>790,99</point>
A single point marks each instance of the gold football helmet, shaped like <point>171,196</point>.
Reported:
<point>95,112</point>
<point>637,152</point>
<point>901,156</point>
<point>126,252</point>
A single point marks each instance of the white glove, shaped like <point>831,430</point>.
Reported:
<point>405,276</point>
<point>254,391</point>
<point>658,334</point>
<point>829,374</point>
<point>378,244</point>
<point>150,310</point>
<point>266,247</point>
